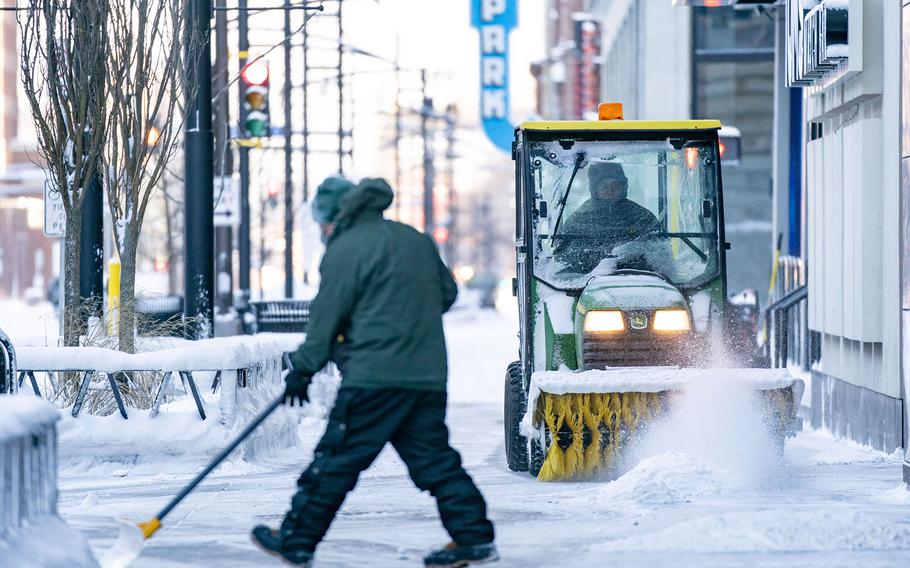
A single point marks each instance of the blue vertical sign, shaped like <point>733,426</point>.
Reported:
<point>494,19</point>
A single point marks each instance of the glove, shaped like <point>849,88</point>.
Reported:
<point>295,390</point>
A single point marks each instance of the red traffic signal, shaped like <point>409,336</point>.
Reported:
<point>441,235</point>
<point>255,73</point>
<point>255,120</point>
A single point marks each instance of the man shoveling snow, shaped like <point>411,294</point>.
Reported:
<point>378,316</point>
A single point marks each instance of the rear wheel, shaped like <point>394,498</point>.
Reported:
<point>515,403</point>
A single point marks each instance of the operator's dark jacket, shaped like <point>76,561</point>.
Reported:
<point>365,318</point>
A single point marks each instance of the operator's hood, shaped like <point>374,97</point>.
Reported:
<point>629,291</point>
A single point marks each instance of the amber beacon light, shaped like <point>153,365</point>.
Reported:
<point>609,111</point>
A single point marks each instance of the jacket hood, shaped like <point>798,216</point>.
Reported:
<point>369,198</point>
<point>327,202</point>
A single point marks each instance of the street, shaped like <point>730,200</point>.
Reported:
<point>829,503</point>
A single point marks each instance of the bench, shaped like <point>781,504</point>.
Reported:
<point>280,316</point>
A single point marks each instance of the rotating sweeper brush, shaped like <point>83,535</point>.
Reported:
<point>622,291</point>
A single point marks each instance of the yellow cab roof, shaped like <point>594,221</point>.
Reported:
<point>620,125</point>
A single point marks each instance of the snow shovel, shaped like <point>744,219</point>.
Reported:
<point>132,536</point>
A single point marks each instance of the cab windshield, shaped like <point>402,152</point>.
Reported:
<point>604,206</point>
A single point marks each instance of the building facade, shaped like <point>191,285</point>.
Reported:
<point>851,151</point>
<point>27,257</point>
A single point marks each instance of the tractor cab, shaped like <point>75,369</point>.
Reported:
<point>621,242</point>
<point>622,289</point>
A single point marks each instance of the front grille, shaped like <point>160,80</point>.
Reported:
<point>634,348</point>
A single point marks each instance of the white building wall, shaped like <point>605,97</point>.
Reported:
<point>667,53</point>
<point>647,53</point>
<point>853,207</point>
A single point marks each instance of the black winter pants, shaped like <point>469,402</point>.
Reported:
<point>360,425</point>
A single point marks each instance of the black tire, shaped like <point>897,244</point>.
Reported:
<point>515,404</point>
<point>537,453</point>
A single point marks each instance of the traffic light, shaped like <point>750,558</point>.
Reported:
<point>255,79</point>
<point>441,235</point>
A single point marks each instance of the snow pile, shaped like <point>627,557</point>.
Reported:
<point>899,495</point>
<point>177,434</point>
<point>664,479</point>
<point>775,530</point>
<point>846,452</point>
<point>111,441</point>
<point>48,543</point>
<point>21,415</point>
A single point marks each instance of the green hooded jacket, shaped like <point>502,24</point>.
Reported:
<point>383,290</point>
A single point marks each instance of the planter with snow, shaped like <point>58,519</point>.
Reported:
<point>31,532</point>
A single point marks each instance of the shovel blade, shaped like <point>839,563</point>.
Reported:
<point>126,548</point>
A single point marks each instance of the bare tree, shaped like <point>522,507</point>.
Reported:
<point>148,43</point>
<point>64,46</point>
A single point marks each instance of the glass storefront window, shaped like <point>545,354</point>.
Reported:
<point>729,28</point>
<point>740,94</point>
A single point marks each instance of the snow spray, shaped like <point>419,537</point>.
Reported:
<point>717,422</point>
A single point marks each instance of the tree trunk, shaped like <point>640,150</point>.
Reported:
<point>72,302</point>
<point>127,331</point>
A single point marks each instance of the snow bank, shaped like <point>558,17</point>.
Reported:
<point>21,415</point>
<point>48,543</point>
<point>899,495</point>
<point>176,436</point>
<point>775,530</point>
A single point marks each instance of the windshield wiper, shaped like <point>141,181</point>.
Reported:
<point>579,158</point>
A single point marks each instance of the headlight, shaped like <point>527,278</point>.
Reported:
<point>605,321</point>
<point>671,320</point>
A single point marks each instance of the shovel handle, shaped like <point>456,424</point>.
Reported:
<point>216,461</point>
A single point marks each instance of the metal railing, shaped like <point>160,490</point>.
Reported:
<point>791,274</point>
<point>789,339</point>
<point>28,468</point>
<point>8,383</point>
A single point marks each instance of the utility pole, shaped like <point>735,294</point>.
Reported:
<point>224,164</point>
<point>199,241</point>
<point>306,135</point>
<point>398,188</point>
<point>243,236</point>
<point>451,115</point>
<point>288,157</point>
<point>426,111</point>
<point>340,91</point>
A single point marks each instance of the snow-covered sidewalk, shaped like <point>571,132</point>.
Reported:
<point>829,503</point>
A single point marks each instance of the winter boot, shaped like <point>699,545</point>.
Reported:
<point>269,540</point>
<point>455,555</point>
